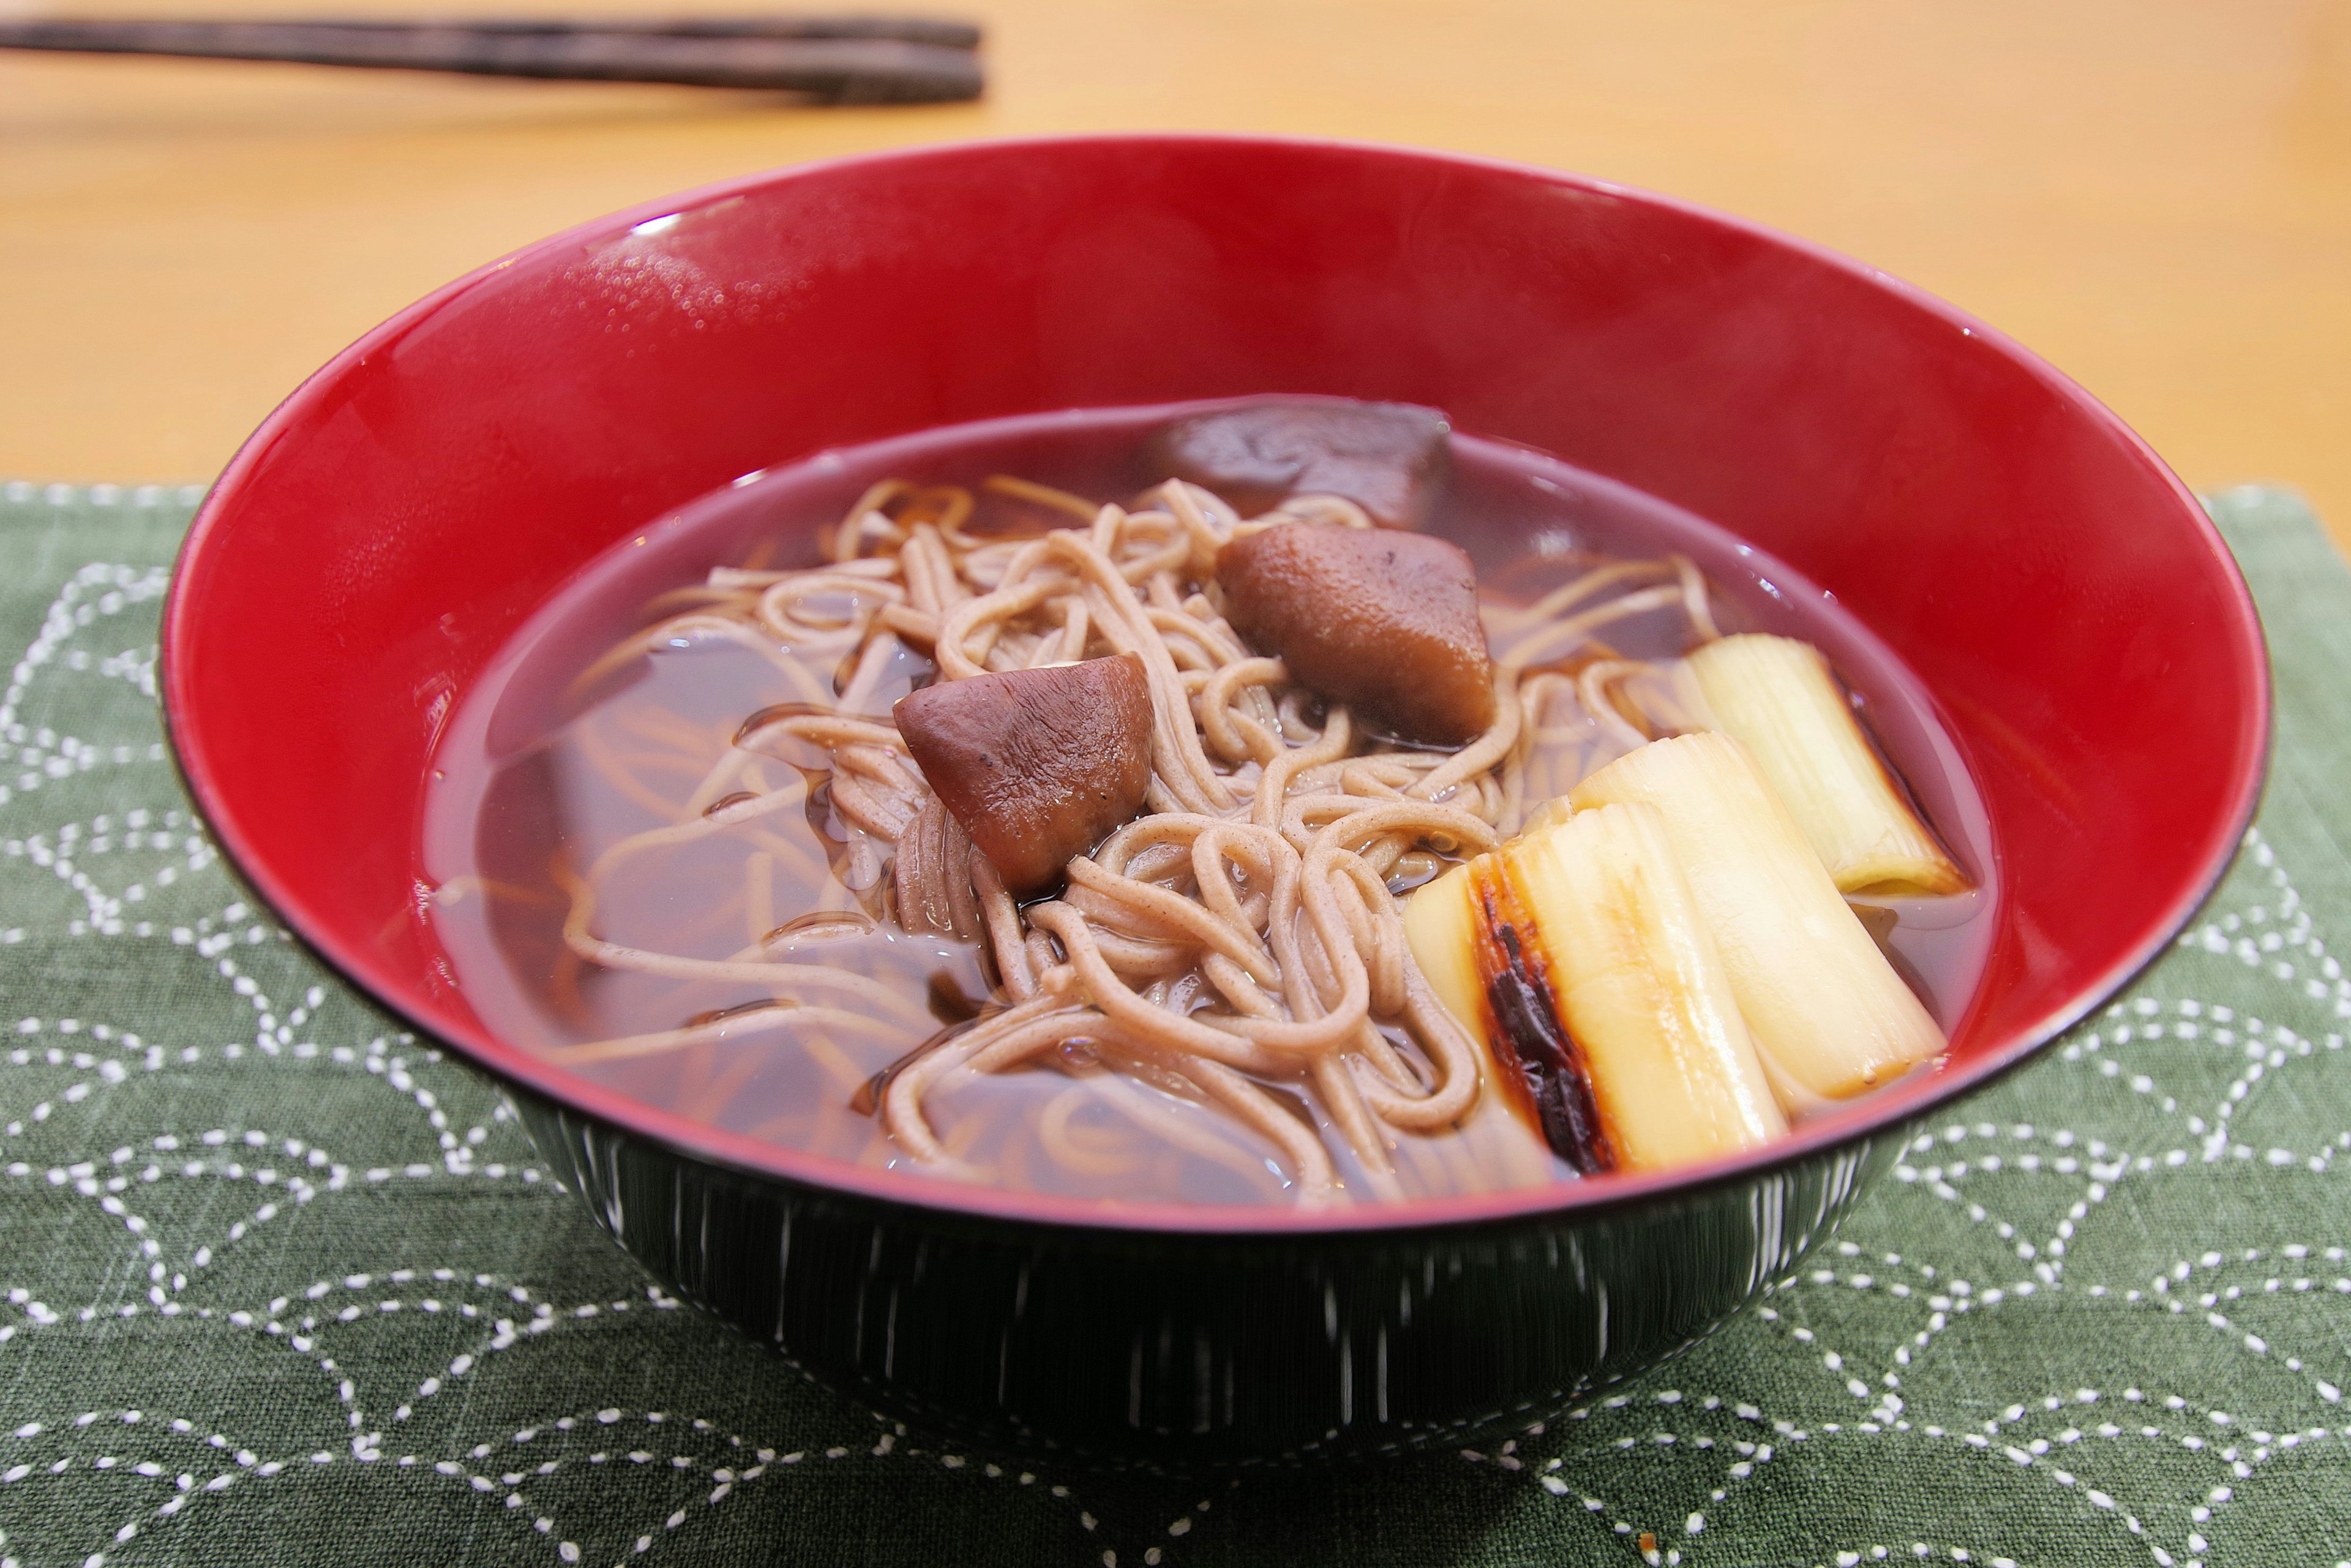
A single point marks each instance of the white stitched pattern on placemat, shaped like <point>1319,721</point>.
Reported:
<point>2238,1370</point>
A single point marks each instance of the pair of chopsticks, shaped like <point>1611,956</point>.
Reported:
<point>833,59</point>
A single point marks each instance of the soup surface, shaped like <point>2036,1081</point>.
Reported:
<point>643,836</point>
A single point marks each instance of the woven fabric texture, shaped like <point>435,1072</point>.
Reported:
<point>283,1286</point>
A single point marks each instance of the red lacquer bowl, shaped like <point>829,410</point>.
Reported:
<point>2075,617</point>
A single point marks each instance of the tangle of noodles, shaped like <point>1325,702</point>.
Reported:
<point>1237,947</point>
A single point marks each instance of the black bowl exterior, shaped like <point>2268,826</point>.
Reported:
<point>1194,1352</point>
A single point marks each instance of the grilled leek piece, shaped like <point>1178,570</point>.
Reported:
<point>1777,696</point>
<point>1830,1016</point>
<point>1578,954</point>
<point>1639,983</point>
<point>1440,927</point>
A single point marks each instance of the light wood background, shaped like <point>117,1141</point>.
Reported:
<point>2154,194</point>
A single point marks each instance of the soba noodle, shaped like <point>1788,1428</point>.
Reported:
<point>1237,946</point>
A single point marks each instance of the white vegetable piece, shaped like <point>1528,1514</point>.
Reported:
<point>1830,1016</point>
<point>1640,987</point>
<point>1441,927</point>
<point>1778,697</point>
<point>1607,921</point>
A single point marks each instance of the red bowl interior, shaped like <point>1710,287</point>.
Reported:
<point>2082,627</point>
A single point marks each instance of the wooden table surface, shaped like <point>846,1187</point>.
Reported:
<point>2154,194</point>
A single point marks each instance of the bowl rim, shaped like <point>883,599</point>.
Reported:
<point>1848,1129</point>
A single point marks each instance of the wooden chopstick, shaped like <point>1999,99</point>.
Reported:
<point>835,59</point>
<point>946,34</point>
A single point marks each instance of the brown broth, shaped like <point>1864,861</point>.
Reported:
<point>533,773</point>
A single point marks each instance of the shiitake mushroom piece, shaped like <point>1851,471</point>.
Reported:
<point>1383,621</point>
<point>1038,765</point>
<point>1389,458</point>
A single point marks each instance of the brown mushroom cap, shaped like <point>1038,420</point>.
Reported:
<point>1383,621</point>
<point>1038,766</point>
<point>1389,458</point>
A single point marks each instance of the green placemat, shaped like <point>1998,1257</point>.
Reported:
<point>283,1286</point>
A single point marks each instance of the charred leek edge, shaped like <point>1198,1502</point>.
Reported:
<point>1638,982</point>
<point>1830,1016</point>
<point>1642,987</point>
<point>1552,1089</point>
<point>1778,697</point>
<point>1497,986</point>
<point>1451,927</point>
